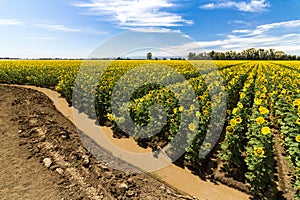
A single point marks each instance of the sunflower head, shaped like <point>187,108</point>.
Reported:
<point>265,130</point>
<point>205,112</point>
<point>240,105</point>
<point>232,122</point>
<point>229,129</point>
<point>298,138</point>
<point>238,120</point>
<point>257,101</point>
<point>263,110</point>
<point>234,111</point>
<point>207,145</point>
<point>260,120</point>
<point>169,100</point>
<point>242,95</point>
<point>192,127</point>
<point>259,151</point>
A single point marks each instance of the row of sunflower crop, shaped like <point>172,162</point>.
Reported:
<point>287,106</point>
<point>233,144</point>
<point>248,145</point>
<point>260,141</point>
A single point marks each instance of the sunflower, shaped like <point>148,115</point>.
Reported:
<point>207,145</point>
<point>192,106</point>
<point>208,104</point>
<point>263,110</point>
<point>265,130</point>
<point>169,100</point>
<point>110,117</point>
<point>192,127</point>
<point>296,102</point>
<point>257,101</point>
<point>242,95</point>
<point>172,120</point>
<point>265,89</point>
<point>229,129</point>
<point>259,151</point>
<point>175,110</point>
<point>205,112</point>
<point>298,121</point>
<point>240,105</point>
<point>238,120</point>
<point>298,138</point>
<point>234,110</point>
<point>233,122</point>
<point>260,120</point>
<point>263,96</point>
<point>180,109</point>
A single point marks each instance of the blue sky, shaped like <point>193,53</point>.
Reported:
<point>74,28</point>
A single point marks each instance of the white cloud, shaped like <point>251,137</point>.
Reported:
<point>153,30</point>
<point>264,36</point>
<point>135,13</point>
<point>58,27</point>
<point>40,37</point>
<point>10,22</point>
<point>252,6</point>
<point>239,22</point>
<point>241,31</point>
<point>267,27</point>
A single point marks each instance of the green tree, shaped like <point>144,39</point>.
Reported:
<point>149,56</point>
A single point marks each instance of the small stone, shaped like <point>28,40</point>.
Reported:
<point>42,139</point>
<point>60,171</point>
<point>162,187</point>
<point>168,191</point>
<point>86,160</point>
<point>122,187</point>
<point>130,193</point>
<point>130,180</point>
<point>150,198</point>
<point>64,137</point>
<point>20,131</point>
<point>47,162</point>
<point>104,167</point>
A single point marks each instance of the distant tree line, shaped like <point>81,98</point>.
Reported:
<point>248,54</point>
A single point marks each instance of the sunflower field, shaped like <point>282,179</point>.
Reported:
<point>260,102</point>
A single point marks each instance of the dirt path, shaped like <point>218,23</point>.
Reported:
<point>182,179</point>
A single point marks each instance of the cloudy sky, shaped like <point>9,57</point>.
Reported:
<point>74,28</point>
